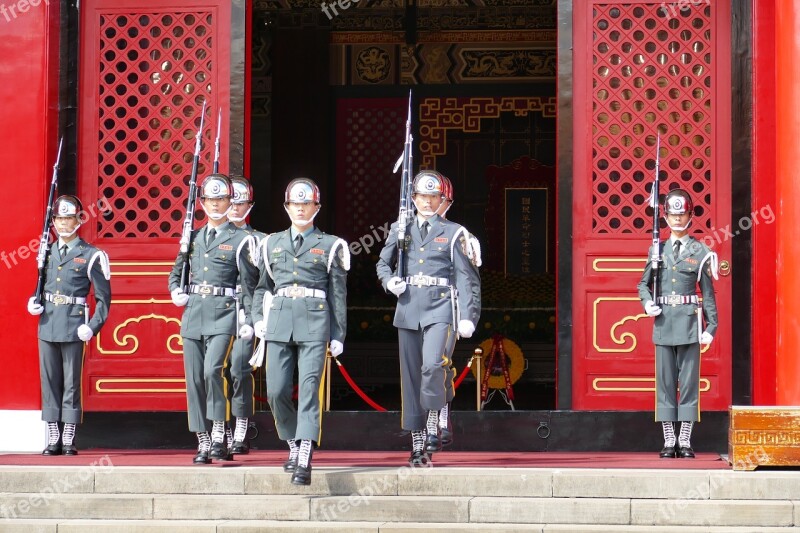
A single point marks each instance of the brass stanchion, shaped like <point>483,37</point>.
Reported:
<point>478,356</point>
<point>328,357</point>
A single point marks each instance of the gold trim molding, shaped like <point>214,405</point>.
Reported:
<point>597,268</point>
<point>705,384</point>
<point>98,386</point>
<point>437,115</point>
<point>127,339</point>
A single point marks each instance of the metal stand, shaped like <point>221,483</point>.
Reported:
<point>478,357</point>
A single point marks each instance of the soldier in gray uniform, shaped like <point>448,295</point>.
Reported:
<point>678,331</point>
<point>300,305</point>
<point>239,372</point>
<point>72,266</point>
<point>218,253</point>
<point>434,303</point>
<point>474,254</point>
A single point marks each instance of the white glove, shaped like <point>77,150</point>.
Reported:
<point>706,338</point>
<point>260,329</point>
<point>85,332</point>
<point>246,332</point>
<point>179,297</point>
<point>242,316</point>
<point>396,286</point>
<point>651,308</point>
<point>465,328</point>
<point>336,348</point>
<point>34,308</point>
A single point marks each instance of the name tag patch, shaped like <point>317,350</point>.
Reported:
<point>440,239</point>
<point>226,247</point>
<point>691,261</point>
<point>317,251</point>
<point>79,260</point>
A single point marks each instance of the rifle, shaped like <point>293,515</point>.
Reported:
<point>216,143</point>
<point>188,222</point>
<point>48,221</point>
<point>655,257</point>
<point>405,195</point>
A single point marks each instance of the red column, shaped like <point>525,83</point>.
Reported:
<point>763,370</point>
<point>29,93</point>
<point>787,26</point>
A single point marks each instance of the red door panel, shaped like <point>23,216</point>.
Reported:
<point>146,67</point>
<point>639,69</point>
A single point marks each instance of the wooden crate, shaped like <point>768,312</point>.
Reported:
<point>763,436</point>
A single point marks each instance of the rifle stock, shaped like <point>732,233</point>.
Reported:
<point>405,196</point>
<point>191,202</point>
<point>48,221</point>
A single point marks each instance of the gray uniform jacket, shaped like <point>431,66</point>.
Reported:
<point>321,263</point>
<point>677,324</point>
<point>442,254</point>
<point>218,265</point>
<point>71,276</point>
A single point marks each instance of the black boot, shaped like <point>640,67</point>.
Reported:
<point>203,444</point>
<point>53,440</point>
<point>302,472</point>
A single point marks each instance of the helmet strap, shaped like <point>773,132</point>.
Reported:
<point>217,216</point>
<point>300,221</point>
<point>65,234</point>
<point>233,218</point>
<point>678,228</point>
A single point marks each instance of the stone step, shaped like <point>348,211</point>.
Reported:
<point>688,485</point>
<point>259,526</point>
<point>446,509</point>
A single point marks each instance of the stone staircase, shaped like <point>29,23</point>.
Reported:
<point>359,499</point>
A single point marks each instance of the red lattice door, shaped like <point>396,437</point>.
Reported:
<point>643,67</point>
<point>146,67</point>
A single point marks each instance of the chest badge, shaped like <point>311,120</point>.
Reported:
<point>79,260</point>
<point>226,247</point>
<point>317,251</point>
<point>440,239</point>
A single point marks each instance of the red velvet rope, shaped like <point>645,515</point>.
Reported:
<point>463,374</point>
<point>363,394</point>
<point>356,388</point>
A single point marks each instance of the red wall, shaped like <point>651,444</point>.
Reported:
<point>28,122</point>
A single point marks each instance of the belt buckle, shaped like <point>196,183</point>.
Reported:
<point>204,289</point>
<point>59,299</point>
<point>673,299</point>
<point>295,292</point>
<point>419,280</point>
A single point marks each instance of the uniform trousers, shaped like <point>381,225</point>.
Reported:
<point>60,370</point>
<point>424,366</point>
<point>203,363</point>
<point>303,422</point>
<point>678,365</point>
<point>240,374</point>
